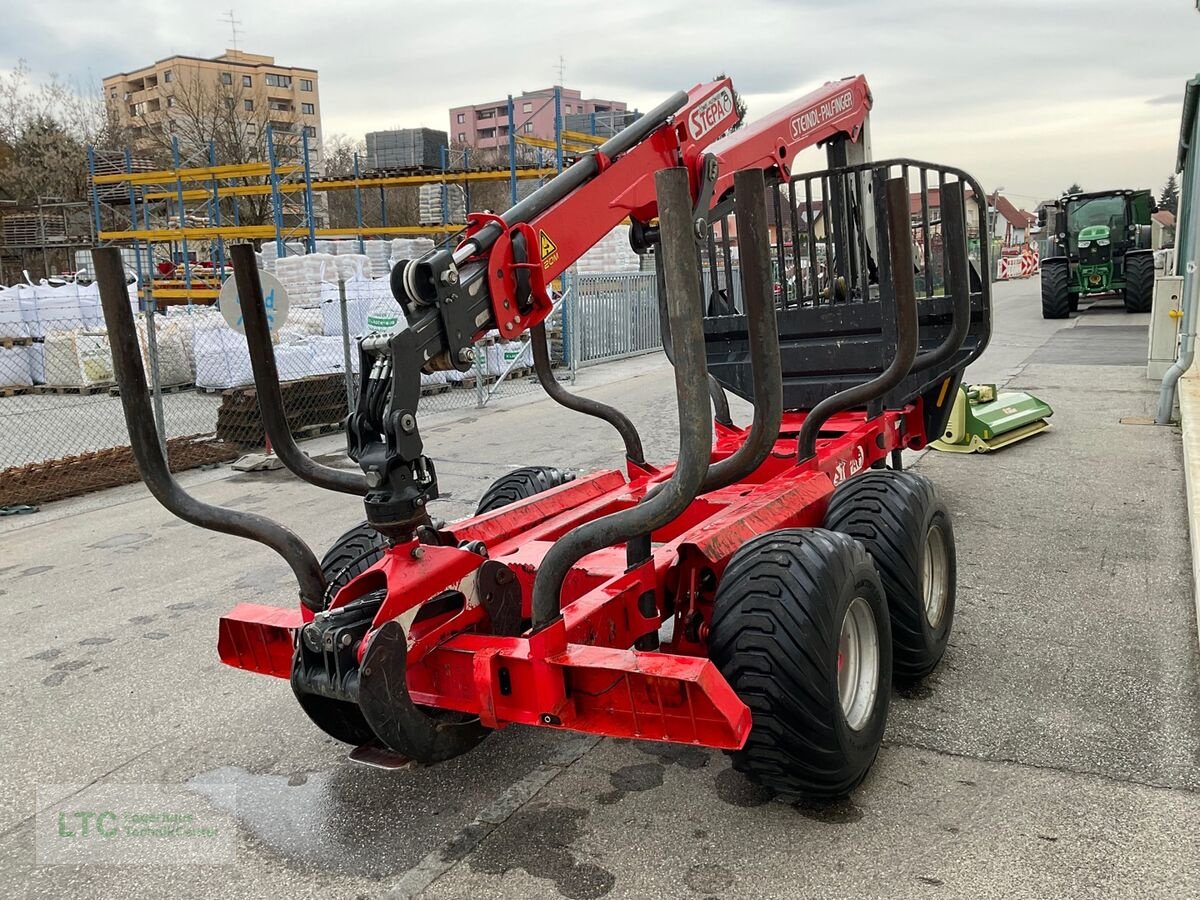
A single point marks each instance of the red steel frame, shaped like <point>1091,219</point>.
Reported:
<point>579,672</point>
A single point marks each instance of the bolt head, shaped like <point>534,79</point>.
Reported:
<point>417,552</point>
<point>450,276</point>
<point>701,226</point>
<point>467,354</point>
<point>407,422</point>
<point>374,479</point>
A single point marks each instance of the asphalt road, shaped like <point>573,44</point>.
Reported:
<point>1054,754</point>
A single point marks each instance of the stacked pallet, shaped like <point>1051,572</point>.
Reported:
<point>432,209</point>
<point>314,405</point>
<point>404,148</point>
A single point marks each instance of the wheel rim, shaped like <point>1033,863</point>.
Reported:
<point>935,577</point>
<point>858,663</point>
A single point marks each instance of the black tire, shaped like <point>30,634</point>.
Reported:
<point>777,619</point>
<point>351,554</point>
<point>1139,282</point>
<point>1056,293</point>
<point>1074,302</point>
<point>519,484</point>
<point>895,516</point>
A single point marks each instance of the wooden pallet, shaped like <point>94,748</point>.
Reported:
<point>166,389</point>
<point>9,342</point>
<point>100,387</point>
<point>428,389</point>
<point>15,390</point>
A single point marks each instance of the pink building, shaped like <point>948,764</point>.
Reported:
<point>486,125</point>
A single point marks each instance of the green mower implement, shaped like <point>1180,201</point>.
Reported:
<point>1099,245</point>
<point>984,419</point>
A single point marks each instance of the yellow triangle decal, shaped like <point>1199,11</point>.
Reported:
<point>548,246</point>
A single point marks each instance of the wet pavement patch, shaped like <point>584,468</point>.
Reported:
<point>539,839</point>
<point>736,789</point>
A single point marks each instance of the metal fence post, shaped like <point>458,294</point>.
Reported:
<point>155,372</point>
<point>346,346</point>
<point>481,395</point>
<point>571,313</point>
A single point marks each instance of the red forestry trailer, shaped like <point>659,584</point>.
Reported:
<point>758,595</point>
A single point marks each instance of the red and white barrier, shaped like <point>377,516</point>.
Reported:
<point>1023,265</point>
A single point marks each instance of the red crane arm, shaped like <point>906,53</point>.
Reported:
<point>625,186</point>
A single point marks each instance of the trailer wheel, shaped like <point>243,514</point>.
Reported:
<point>800,631</point>
<point>909,534</point>
<point>1056,292</point>
<point>351,554</point>
<point>519,484</point>
<point>1139,282</point>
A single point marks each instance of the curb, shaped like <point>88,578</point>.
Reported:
<point>1189,414</point>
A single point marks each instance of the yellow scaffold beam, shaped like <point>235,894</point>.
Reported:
<point>204,173</point>
<point>253,232</point>
<point>582,137</point>
<point>260,190</point>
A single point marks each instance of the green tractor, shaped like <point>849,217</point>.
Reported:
<point>1099,244</point>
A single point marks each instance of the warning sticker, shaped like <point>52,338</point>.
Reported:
<point>549,250</point>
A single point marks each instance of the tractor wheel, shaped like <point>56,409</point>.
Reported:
<point>519,484</point>
<point>354,552</point>
<point>1139,283</point>
<point>1056,293</point>
<point>908,532</point>
<point>800,631</point>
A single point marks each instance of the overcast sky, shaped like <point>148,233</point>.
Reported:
<point>1025,94</point>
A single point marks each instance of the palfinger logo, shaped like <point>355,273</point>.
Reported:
<point>825,111</point>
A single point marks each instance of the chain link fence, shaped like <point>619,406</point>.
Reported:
<point>62,427</point>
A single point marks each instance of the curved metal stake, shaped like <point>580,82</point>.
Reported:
<point>901,253</point>
<point>720,402</point>
<point>754,240</point>
<point>558,393</point>
<point>152,462</point>
<point>954,229</point>
<point>695,425</point>
<point>266,383</point>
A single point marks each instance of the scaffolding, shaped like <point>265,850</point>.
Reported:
<point>181,208</point>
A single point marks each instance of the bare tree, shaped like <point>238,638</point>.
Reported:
<point>45,129</point>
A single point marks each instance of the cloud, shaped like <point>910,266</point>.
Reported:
<point>1025,93</point>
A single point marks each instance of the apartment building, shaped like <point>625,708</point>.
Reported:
<point>246,90</point>
<point>485,125</point>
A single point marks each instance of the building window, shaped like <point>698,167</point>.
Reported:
<point>568,108</point>
<point>462,138</point>
<point>229,101</point>
<point>166,76</point>
<point>526,107</point>
<point>310,130</point>
<point>247,81</point>
<point>462,117</point>
<point>307,108</point>
<point>226,78</point>
<point>527,128</point>
<point>248,105</point>
<point>305,84</point>
<point>281,81</point>
<point>170,102</point>
<point>280,106</point>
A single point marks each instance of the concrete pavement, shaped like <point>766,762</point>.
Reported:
<point>1055,753</point>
